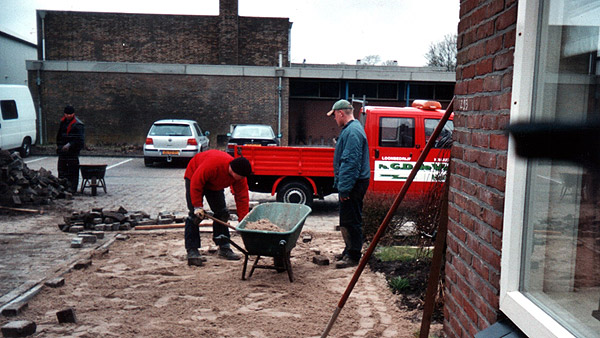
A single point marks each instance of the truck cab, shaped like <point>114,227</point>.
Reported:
<point>396,138</point>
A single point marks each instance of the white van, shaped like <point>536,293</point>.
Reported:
<point>17,120</point>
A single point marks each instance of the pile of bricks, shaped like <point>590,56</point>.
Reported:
<point>100,220</point>
<point>20,185</point>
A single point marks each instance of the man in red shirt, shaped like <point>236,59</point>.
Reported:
<point>206,176</point>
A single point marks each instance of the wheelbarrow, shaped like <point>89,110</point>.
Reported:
<point>93,177</point>
<point>289,217</point>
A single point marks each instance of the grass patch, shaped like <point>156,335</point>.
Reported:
<point>402,253</point>
<point>398,284</point>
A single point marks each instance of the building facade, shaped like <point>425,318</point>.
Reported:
<point>523,234</point>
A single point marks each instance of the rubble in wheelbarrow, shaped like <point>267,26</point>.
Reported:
<point>21,186</point>
<point>113,220</point>
<point>264,225</point>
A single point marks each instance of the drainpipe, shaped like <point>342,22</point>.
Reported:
<point>279,73</point>
<point>38,81</point>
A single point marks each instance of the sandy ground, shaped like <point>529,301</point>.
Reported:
<point>142,287</point>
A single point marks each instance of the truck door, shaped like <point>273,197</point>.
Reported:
<point>394,147</point>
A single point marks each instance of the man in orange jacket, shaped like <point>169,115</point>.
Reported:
<point>207,175</point>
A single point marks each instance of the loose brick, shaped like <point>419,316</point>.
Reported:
<point>14,309</point>
<point>320,260</point>
<point>83,264</point>
<point>19,328</point>
<point>66,316</point>
<point>77,242</point>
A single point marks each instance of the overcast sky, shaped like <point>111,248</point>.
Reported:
<point>323,31</point>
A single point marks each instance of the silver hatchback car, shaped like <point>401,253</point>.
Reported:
<point>168,140</point>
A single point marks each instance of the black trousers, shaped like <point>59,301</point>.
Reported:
<point>351,219</point>
<point>216,202</point>
<point>68,168</point>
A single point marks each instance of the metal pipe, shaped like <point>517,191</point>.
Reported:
<point>279,94</point>
<point>389,216</point>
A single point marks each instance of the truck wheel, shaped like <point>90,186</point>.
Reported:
<point>295,192</point>
<point>25,148</point>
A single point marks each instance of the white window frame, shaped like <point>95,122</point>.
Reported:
<point>532,320</point>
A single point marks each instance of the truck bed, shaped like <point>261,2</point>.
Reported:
<point>289,161</point>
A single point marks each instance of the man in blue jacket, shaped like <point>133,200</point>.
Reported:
<point>351,170</point>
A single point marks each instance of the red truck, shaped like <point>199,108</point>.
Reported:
<point>396,137</point>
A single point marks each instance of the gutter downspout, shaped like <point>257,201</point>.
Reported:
<point>38,81</point>
<point>279,74</point>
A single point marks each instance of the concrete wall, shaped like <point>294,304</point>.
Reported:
<point>486,38</point>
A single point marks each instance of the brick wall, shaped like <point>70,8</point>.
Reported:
<point>118,37</point>
<point>486,38</point>
<point>120,108</point>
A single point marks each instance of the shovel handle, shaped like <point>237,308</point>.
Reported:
<point>219,221</point>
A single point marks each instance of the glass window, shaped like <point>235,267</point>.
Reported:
<point>554,206</point>
<point>397,132</point>
<point>170,130</point>
<point>9,109</point>
<point>445,138</point>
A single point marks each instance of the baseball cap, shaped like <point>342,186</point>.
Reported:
<point>341,104</point>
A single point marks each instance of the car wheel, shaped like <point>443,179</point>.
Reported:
<point>25,147</point>
<point>295,192</point>
<point>148,162</point>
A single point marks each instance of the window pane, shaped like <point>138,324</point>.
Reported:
<point>9,109</point>
<point>560,269</point>
<point>445,138</point>
<point>396,132</point>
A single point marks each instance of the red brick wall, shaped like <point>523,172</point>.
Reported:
<point>120,108</point>
<point>486,38</point>
<point>118,37</point>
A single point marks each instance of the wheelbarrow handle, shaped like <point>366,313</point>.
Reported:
<point>219,221</point>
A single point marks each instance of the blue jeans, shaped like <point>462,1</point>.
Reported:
<point>216,201</point>
<point>351,220</point>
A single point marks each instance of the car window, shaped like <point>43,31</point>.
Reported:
<point>445,138</point>
<point>198,130</point>
<point>253,131</point>
<point>397,132</point>
<point>170,130</point>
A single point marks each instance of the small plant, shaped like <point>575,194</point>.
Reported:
<point>398,284</point>
<point>401,253</point>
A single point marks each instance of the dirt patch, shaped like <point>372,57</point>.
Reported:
<point>264,225</point>
<point>143,288</point>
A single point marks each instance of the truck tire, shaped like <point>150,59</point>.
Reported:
<point>295,192</point>
<point>25,149</point>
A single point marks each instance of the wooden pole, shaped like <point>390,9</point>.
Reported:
<point>436,263</point>
<point>34,211</point>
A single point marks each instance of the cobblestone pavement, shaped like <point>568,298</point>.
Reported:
<point>32,247</point>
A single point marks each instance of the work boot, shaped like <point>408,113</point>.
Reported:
<point>339,256</point>
<point>228,254</point>
<point>346,262</point>
<point>194,258</point>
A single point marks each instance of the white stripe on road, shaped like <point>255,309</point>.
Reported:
<point>37,159</point>
<point>122,162</point>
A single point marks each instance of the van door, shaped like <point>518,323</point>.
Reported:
<point>10,130</point>
<point>395,147</point>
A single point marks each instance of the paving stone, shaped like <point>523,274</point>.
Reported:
<point>316,251</point>
<point>14,309</point>
<point>115,226</point>
<point>77,242</point>
<point>320,260</point>
<point>99,227</point>
<point>76,228</point>
<point>66,316</point>
<point>88,238</point>
<point>19,328</point>
<point>55,282</point>
<point>122,237</point>
<point>306,238</point>
<point>98,234</point>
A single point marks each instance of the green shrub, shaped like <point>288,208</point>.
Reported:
<point>402,253</point>
<point>398,284</point>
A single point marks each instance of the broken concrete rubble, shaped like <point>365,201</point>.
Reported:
<point>114,220</point>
